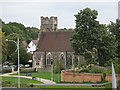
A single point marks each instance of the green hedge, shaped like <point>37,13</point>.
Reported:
<point>27,70</point>
<point>97,69</point>
<point>6,70</point>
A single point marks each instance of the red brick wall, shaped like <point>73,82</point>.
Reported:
<point>67,76</point>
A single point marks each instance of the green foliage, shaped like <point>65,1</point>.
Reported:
<point>24,56</point>
<point>12,31</point>
<point>115,62</point>
<point>91,56</point>
<point>115,29</point>
<point>12,55</point>
<point>27,71</point>
<point>109,70</point>
<point>89,34</point>
<point>57,65</point>
<point>18,25</point>
<point>28,33</point>
<point>4,47</point>
<point>103,77</point>
<point>97,69</point>
<point>6,70</point>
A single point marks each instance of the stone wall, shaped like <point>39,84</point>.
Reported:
<point>41,59</point>
<point>67,76</point>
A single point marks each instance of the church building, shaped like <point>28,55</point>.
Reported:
<point>53,44</point>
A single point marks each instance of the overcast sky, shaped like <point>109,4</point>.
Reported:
<point>29,13</point>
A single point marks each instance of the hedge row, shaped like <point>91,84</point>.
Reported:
<point>6,70</point>
<point>27,70</point>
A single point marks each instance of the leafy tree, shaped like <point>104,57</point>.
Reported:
<point>11,45</point>
<point>18,25</point>
<point>24,56</point>
<point>57,66</point>
<point>29,33</point>
<point>89,34</point>
<point>6,29</point>
<point>115,29</point>
<point>4,47</point>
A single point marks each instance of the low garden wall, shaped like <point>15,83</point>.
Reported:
<point>67,76</point>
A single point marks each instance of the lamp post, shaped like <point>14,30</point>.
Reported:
<point>17,43</point>
<point>52,69</point>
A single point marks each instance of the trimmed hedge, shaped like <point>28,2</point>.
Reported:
<point>6,70</point>
<point>97,69</point>
<point>27,70</point>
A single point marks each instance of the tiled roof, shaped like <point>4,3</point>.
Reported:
<point>24,43</point>
<point>55,41</point>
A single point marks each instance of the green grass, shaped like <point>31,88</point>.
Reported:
<point>45,75</point>
<point>64,86</point>
<point>14,80</point>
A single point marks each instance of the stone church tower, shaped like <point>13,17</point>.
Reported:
<point>48,24</point>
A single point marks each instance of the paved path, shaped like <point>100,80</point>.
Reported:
<point>45,81</point>
<point>72,84</point>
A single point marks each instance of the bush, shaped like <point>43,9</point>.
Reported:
<point>97,69</point>
<point>27,70</point>
<point>6,70</point>
<point>109,71</point>
<point>103,77</point>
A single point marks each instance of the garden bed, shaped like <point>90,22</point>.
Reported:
<point>68,76</point>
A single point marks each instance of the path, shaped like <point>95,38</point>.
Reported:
<point>45,81</point>
<point>73,84</point>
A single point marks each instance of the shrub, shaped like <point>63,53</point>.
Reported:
<point>6,83</point>
<point>27,70</point>
<point>85,70</point>
<point>103,77</point>
<point>109,71</point>
<point>97,69</point>
<point>6,70</point>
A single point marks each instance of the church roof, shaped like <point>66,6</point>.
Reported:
<point>55,41</point>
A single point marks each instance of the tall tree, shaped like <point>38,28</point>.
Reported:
<point>89,35</point>
<point>115,29</point>
<point>4,47</point>
<point>24,56</point>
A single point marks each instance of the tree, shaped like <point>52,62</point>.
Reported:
<point>12,55</point>
<point>115,29</point>
<point>11,45</point>
<point>24,56</point>
<point>4,47</point>
<point>57,66</point>
<point>89,34</point>
<point>28,33</point>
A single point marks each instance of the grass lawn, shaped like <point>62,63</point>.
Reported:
<point>45,75</point>
<point>14,80</point>
<point>64,86</point>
